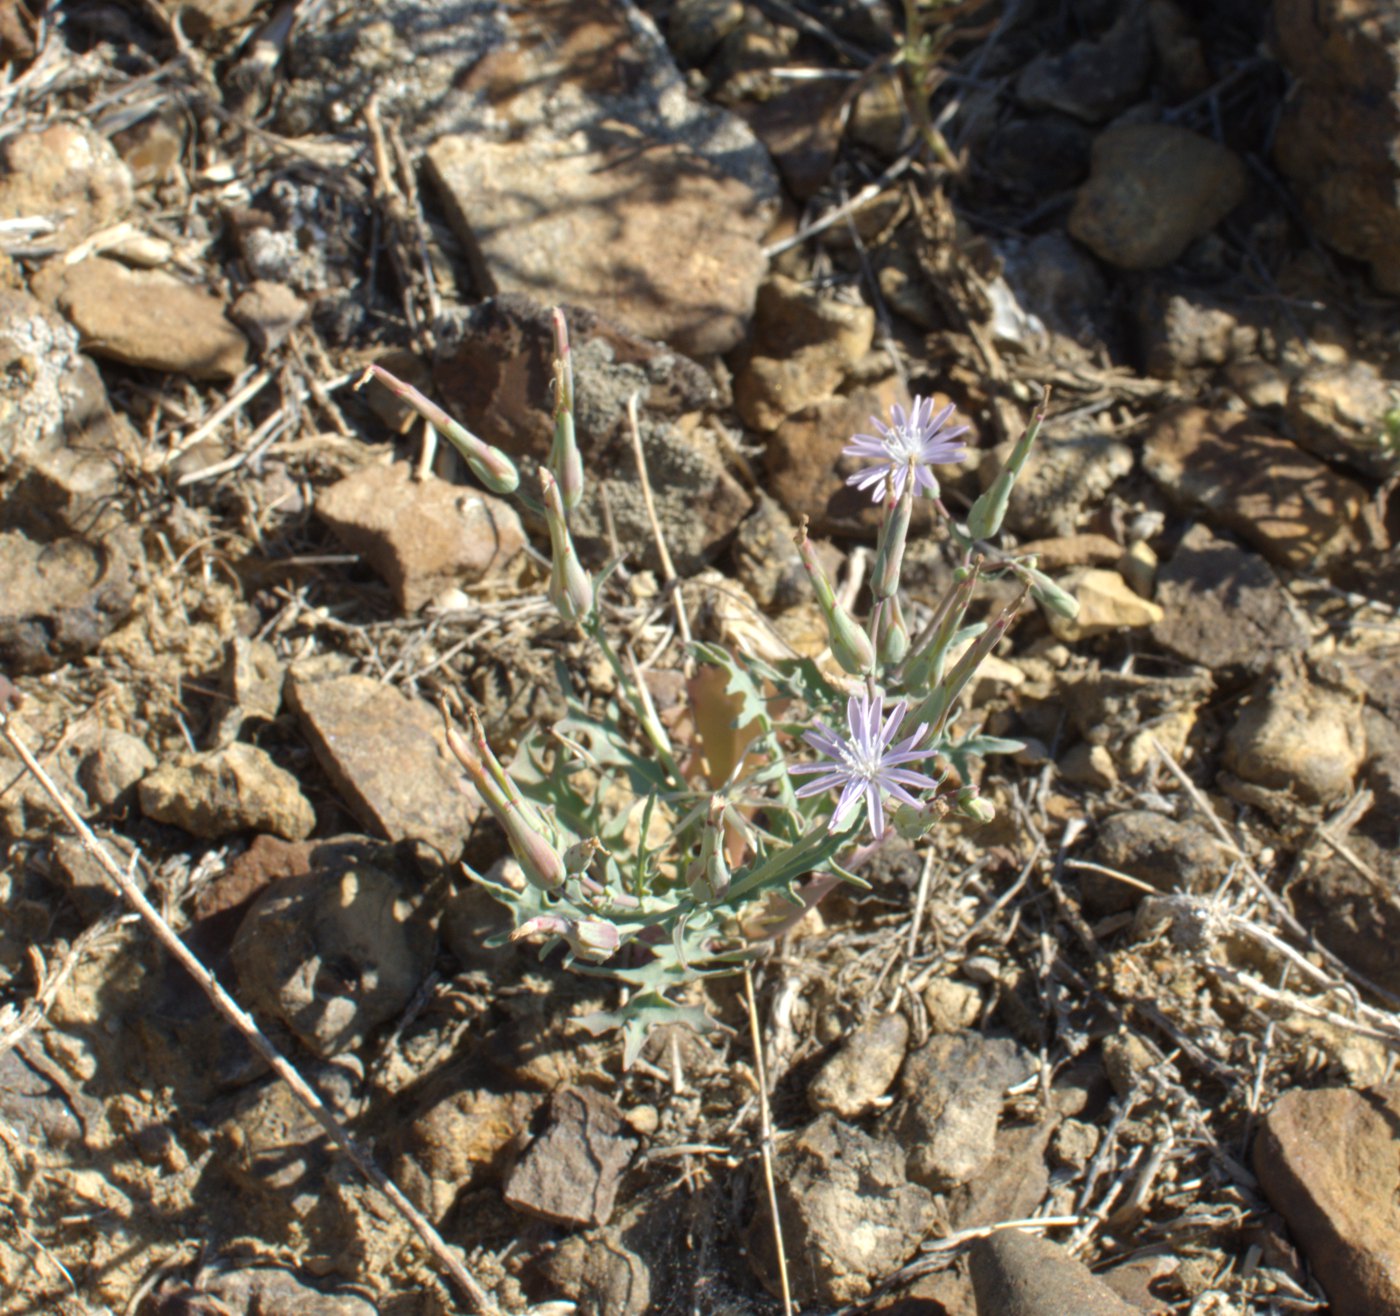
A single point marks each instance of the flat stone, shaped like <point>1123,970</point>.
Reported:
<point>1298,736</point>
<point>337,951</point>
<point>1293,508</point>
<point>1153,189</point>
<point>600,180</point>
<point>1106,604</point>
<point>952,1091</point>
<point>1018,1274</point>
<point>1171,856</point>
<point>224,791</point>
<point>1093,80</point>
<point>571,1170</point>
<point>861,1072</point>
<point>1338,133</point>
<point>59,600</point>
<point>67,173</point>
<point>1326,1161</point>
<point>385,756</point>
<point>145,318</point>
<point>422,537</point>
<point>849,1215</point>
<point>1339,413</point>
<point>1013,1186</point>
<point>1224,606</point>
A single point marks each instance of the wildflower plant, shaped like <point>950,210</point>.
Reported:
<point>655,863</point>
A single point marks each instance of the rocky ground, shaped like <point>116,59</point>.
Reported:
<point>1152,1006</point>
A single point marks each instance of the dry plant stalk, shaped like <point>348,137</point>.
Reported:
<point>477,1298</point>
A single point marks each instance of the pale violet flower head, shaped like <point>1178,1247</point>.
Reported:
<point>910,446</point>
<point>867,765</point>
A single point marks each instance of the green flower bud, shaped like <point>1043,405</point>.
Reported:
<point>850,645</point>
<point>564,458</point>
<point>490,465</point>
<point>709,876</point>
<point>889,554</point>
<point>971,805</point>
<point>579,856</point>
<point>891,633</point>
<point>1051,596</point>
<point>988,512</point>
<point>570,588</point>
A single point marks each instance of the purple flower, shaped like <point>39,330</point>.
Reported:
<point>867,763</point>
<point>915,442</point>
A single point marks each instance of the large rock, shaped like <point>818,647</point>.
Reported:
<point>422,536</point>
<point>145,318</point>
<point>1153,189</point>
<point>383,752</point>
<point>596,178</point>
<point>65,173</point>
<point>1339,137</point>
<point>1295,509</point>
<point>236,789</point>
<point>1340,413</point>
<point>1092,80</point>
<point>1327,1162</point>
<point>1018,1274</point>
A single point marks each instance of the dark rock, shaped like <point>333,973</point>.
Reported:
<point>1153,189</point>
<point>235,789</point>
<point>601,1274</point>
<point>1326,1161</point>
<point>264,1289</point>
<point>801,128</point>
<point>951,1092</point>
<point>860,1073</point>
<point>39,1112</point>
<point>336,952</point>
<point>423,537</point>
<point>1013,1186</point>
<point>1225,608</point>
<point>828,1177</point>
<point>1355,916</point>
<point>1171,856</point>
<point>1336,140</point>
<point>1040,156</point>
<point>1092,80</point>
<point>268,313</point>
<point>1018,1274</point>
<point>696,27</point>
<point>1186,331</point>
<point>570,1171</point>
<point>59,600</point>
<point>385,755</point>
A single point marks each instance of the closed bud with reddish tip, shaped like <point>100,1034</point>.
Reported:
<point>570,588</point>
<point>850,645</point>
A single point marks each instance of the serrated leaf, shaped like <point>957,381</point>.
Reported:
<point>645,1011</point>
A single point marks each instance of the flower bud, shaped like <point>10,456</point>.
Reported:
<point>988,512</point>
<point>891,633</point>
<point>579,856</point>
<point>490,465</point>
<point>913,822</point>
<point>941,698</point>
<point>570,589</point>
<point>924,667</point>
<point>971,805</point>
<point>589,938</point>
<point>1051,596</point>
<point>850,645</point>
<point>709,876</point>
<point>889,555</point>
<point>564,458</point>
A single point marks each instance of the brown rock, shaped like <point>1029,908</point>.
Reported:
<point>1300,737</point>
<point>1225,607</point>
<point>266,859</point>
<point>830,1177</point>
<point>383,752</point>
<point>1171,856</point>
<point>421,536</point>
<point>205,17</point>
<point>1065,477</point>
<point>457,1143</point>
<point>1012,1186</point>
<point>951,1093</point>
<point>570,1172</point>
<point>67,173</point>
<point>1093,80</point>
<point>1290,506</point>
<point>236,789</point>
<point>861,1072</point>
<point>1018,1274</point>
<point>1327,1161</point>
<point>801,128</point>
<point>1106,604</point>
<point>600,1273</point>
<point>1337,138</point>
<point>1355,915</point>
<point>59,600</point>
<point>1152,190</point>
<point>1339,412</point>
<point>267,312</point>
<point>145,318</point>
